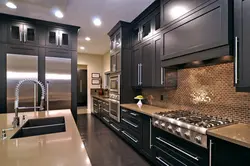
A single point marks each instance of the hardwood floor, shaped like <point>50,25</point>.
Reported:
<point>104,147</point>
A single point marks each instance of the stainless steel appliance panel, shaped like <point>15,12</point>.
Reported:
<point>21,67</point>
<point>58,78</point>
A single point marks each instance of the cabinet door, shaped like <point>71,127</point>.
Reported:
<point>159,76</point>
<point>146,139</point>
<point>148,63</point>
<point>146,29</point>
<point>204,29</point>
<point>113,66</point>
<point>242,50</point>
<point>136,61</point>
<point>3,31</point>
<point>118,61</point>
<point>52,37</point>
<point>15,33</point>
<point>30,35</point>
<point>136,36</point>
<point>64,39</point>
<point>225,153</point>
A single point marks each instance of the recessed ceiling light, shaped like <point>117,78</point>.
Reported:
<point>87,38</point>
<point>11,5</point>
<point>59,14</point>
<point>82,48</point>
<point>97,21</point>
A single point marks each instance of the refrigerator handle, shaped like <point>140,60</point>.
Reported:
<point>47,95</point>
<point>35,96</point>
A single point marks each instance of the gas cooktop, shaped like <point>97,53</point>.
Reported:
<point>189,125</point>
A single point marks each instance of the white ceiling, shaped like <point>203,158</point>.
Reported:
<point>80,13</point>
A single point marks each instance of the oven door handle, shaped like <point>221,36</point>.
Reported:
<point>172,146</point>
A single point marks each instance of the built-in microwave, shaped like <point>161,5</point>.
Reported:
<point>114,85</point>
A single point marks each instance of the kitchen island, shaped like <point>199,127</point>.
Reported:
<point>59,149</point>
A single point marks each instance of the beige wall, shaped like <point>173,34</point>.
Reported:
<point>106,66</point>
<point>94,65</point>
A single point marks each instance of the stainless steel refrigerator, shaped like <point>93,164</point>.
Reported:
<point>21,67</point>
<point>58,82</point>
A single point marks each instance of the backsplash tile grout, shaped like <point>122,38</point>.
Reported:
<point>208,90</point>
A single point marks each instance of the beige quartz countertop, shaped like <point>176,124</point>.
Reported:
<point>145,109</point>
<point>237,133</point>
<point>101,97</point>
<point>59,149</point>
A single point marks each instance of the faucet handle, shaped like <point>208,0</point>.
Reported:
<point>16,121</point>
<point>4,136</point>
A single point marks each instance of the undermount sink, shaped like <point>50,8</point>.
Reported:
<point>34,127</point>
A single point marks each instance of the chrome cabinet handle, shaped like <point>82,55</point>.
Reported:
<point>115,127</point>
<point>24,33</point>
<point>236,61</point>
<point>162,75</point>
<point>163,162</point>
<point>47,95</point>
<point>130,123</point>
<point>133,114</point>
<point>106,119</point>
<point>210,152</point>
<point>106,110</point>
<point>21,33</point>
<point>138,74</point>
<point>150,133</point>
<point>172,146</point>
<point>34,96</point>
<point>124,110</point>
<point>81,86</point>
<point>125,133</point>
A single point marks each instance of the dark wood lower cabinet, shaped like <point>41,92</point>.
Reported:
<point>228,154</point>
<point>146,138</point>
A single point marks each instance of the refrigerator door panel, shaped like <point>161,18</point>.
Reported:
<point>21,67</point>
<point>58,77</point>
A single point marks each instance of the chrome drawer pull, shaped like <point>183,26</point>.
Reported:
<point>236,61</point>
<point>150,133</point>
<point>129,123</point>
<point>115,127</point>
<point>210,152</point>
<point>134,114</point>
<point>163,162</point>
<point>106,110</point>
<point>106,119</point>
<point>189,155</point>
<point>135,140</point>
<point>124,110</point>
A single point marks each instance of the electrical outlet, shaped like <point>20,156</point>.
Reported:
<point>164,97</point>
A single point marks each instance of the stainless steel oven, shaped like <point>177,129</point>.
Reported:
<point>114,109</point>
<point>114,85</point>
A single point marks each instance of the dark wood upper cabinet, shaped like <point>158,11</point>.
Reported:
<point>58,38</point>
<point>172,10</point>
<point>204,25</point>
<point>147,24</point>
<point>22,33</point>
<point>136,62</point>
<point>241,45</point>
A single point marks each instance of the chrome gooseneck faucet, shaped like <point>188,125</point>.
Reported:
<point>16,121</point>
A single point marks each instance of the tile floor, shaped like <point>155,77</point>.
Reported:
<point>104,147</point>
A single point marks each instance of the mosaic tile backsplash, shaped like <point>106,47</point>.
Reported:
<point>208,90</point>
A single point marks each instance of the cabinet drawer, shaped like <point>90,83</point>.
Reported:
<point>130,123</point>
<point>132,114</point>
<point>162,158</point>
<point>131,137</point>
<point>115,126</point>
<point>58,53</point>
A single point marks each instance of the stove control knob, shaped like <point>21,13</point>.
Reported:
<point>178,131</point>
<point>163,125</point>
<point>170,128</point>
<point>156,122</point>
<point>187,134</point>
<point>198,139</point>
